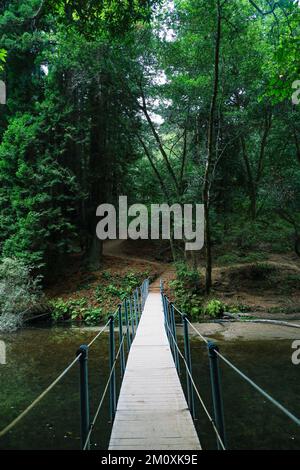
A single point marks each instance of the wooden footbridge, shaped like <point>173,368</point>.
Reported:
<point>152,411</point>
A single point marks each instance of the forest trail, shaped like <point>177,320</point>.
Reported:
<point>233,284</point>
<point>116,248</point>
<point>237,290</point>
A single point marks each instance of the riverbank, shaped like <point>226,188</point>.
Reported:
<point>242,331</point>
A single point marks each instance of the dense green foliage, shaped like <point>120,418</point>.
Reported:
<point>19,293</point>
<point>111,290</point>
<point>179,101</point>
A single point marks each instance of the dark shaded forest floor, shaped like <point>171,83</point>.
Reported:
<point>269,288</point>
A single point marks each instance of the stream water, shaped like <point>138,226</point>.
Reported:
<point>35,356</point>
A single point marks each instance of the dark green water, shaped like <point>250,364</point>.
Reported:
<point>36,356</point>
<point>251,421</point>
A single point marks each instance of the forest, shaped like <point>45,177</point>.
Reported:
<point>183,101</point>
<point>147,338</point>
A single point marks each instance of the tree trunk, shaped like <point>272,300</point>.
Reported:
<point>209,162</point>
<point>94,254</point>
<point>101,166</point>
<point>250,181</point>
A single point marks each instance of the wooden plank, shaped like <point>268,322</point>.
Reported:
<point>152,413</point>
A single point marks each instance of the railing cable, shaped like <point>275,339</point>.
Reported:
<point>197,391</point>
<point>250,381</point>
<point>4,431</point>
<point>260,390</point>
<point>22,415</point>
<point>100,332</point>
<point>38,399</point>
<point>103,395</point>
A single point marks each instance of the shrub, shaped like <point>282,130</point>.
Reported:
<point>215,308</point>
<point>75,309</point>
<point>92,315</point>
<point>230,258</point>
<point>19,292</point>
<point>189,277</point>
<point>187,301</point>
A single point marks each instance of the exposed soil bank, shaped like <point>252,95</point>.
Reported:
<point>246,331</point>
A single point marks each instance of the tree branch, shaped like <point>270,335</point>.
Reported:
<point>158,140</point>
<point>267,128</point>
<point>155,170</point>
<point>264,13</point>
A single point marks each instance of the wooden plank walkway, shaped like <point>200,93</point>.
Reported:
<point>152,412</point>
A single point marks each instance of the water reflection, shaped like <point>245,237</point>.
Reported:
<point>36,356</point>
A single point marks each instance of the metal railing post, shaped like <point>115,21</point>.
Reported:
<point>131,318</point>
<point>138,303</point>
<point>187,354</point>
<point>127,325</point>
<point>170,329</point>
<point>122,353</point>
<point>84,395</point>
<point>141,299</point>
<point>136,315</point>
<point>176,355</point>
<point>164,311</point>
<point>112,355</point>
<point>216,391</point>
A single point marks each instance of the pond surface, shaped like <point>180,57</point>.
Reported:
<point>251,421</point>
<point>35,356</point>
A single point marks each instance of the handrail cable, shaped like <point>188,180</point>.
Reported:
<point>104,394</point>
<point>39,398</point>
<point>260,390</point>
<point>197,392</point>
<point>47,390</point>
<point>13,423</point>
<point>250,381</point>
<point>98,334</point>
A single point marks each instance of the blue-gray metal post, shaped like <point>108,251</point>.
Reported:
<point>136,315</point>
<point>122,353</point>
<point>170,329</point>
<point>188,360</point>
<point>164,301</point>
<point>131,318</point>
<point>168,320</point>
<point>127,325</point>
<point>84,395</point>
<point>176,355</point>
<point>216,391</point>
<point>141,299</point>
<point>112,356</point>
<point>138,303</point>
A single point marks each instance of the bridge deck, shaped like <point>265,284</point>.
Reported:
<point>152,413</point>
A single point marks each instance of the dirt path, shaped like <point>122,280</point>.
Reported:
<point>116,248</point>
<point>259,301</point>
